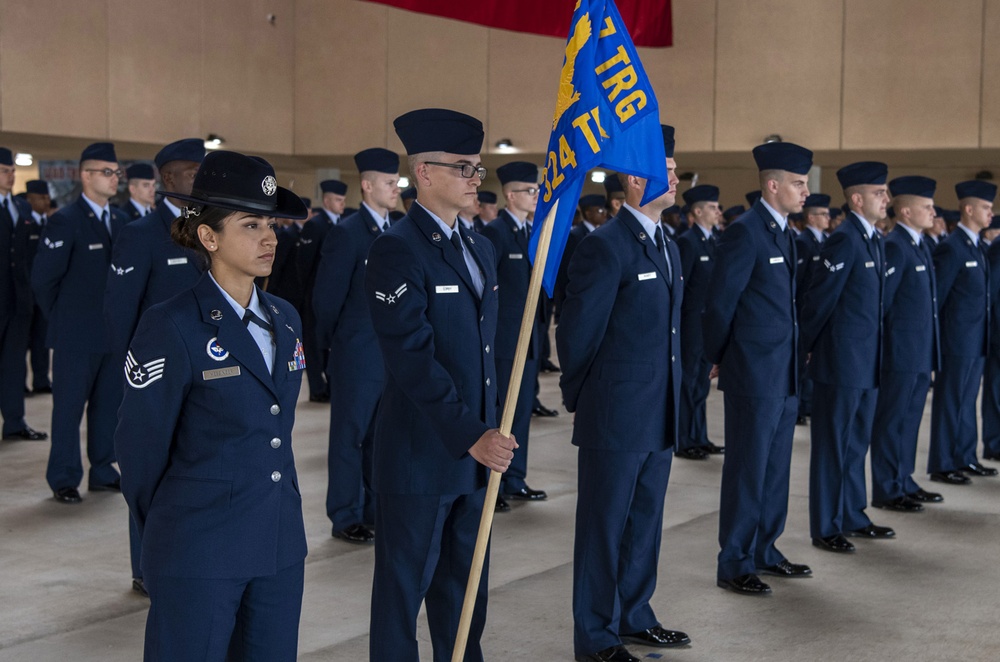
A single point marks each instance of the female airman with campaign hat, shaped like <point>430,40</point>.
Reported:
<point>204,433</point>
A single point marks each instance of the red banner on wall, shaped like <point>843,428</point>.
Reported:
<point>648,21</point>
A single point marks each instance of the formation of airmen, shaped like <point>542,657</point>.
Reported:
<point>805,312</point>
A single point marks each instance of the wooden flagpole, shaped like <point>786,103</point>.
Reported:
<point>506,422</point>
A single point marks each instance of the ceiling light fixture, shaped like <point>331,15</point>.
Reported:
<point>505,145</point>
<point>404,182</point>
<point>214,141</point>
<point>598,176</point>
<point>23,160</point>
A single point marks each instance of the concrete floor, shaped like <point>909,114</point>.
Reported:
<point>931,594</point>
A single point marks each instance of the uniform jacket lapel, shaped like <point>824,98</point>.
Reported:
<point>648,244</point>
<point>433,233</point>
<point>782,239</point>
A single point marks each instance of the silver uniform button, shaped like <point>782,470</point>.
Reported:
<point>487,349</point>
<point>673,358</point>
<point>275,410</point>
<point>276,443</point>
<point>275,476</point>
<point>487,381</point>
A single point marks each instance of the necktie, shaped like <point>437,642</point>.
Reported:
<point>105,222</point>
<point>661,247</point>
<point>456,240</point>
<point>250,316</point>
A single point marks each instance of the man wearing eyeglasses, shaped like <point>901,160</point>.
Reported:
<point>509,233</point>
<point>68,278</point>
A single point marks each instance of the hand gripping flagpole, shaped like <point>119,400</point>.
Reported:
<point>506,422</point>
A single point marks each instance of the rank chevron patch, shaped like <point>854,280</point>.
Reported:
<point>391,298</point>
<point>142,375</point>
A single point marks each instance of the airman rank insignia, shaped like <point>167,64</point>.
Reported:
<point>391,298</point>
<point>216,351</point>
<point>52,244</point>
<point>141,375</point>
<point>121,271</point>
<point>298,361</point>
<point>274,309</point>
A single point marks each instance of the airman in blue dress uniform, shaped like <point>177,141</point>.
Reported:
<point>205,432</point>
<point>750,328</point>
<point>816,213</point>
<point>432,291</point>
<point>344,327</point>
<point>991,372</point>
<point>68,277</point>
<point>619,347</point>
<point>141,190</point>
<point>40,200</point>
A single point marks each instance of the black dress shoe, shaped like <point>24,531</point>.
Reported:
<point>712,449</point>
<point>837,543</point>
<point>950,477</point>
<point>872,531</point>
<point>321,397</point>
<point>658,637</point>
<point>359,534</point>
<point>695,453</point>
<point>745,585</point>
<point>801,420</point>
<point>979,470</point>
<point>924,496</point>
<point>42,389</point>
<point>614,654</point>
<point>992,456</point>
<point>139,587</point>
<point>542,410</point>
<point>115,486</point>
<point>903,504</point>
<point>549,366</point>
<point>502,505</point>
<point>67,495</point>
<point>525,494</point>
<point>27,434</point>
<point>785,568</point>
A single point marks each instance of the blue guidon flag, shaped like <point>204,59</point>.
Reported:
<point>606,115</point>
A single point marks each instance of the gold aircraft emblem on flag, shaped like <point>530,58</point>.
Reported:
<point>568,95</point>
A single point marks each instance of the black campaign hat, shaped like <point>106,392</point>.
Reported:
<point>439,130</point>
<point>701,193</point>
<point>976,188</point>
<point>485,197</point>
<point>333,186</point>
<point>140,171</point>
<point>99,152</point>
<point>817,200</point>
<point>187,149</point>
<point>668,140</point>
<point>377,159</point>
<point>518,171</point>
<point>39,186</point>
<point>783,156</point>
<point>913,185</point>
<point>241,183</point>
<point>863,173</point>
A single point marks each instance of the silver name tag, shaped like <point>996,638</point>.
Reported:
<point>176,260</point>
<point>648,275</point>
<point>446,289</point>
<point>869,265</point>
<point>704,258</point>
<point>921,268</point>
<point>95,247</point>
<point>515,256</point>
<point>777,260</point>
<point>220,373</point>
<point>972,263</point>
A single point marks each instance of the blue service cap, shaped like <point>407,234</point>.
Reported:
<point>835,212</point>
<point>995,223</point>
<point>796,217</point>
<point>377,159</point>
<point>817,200</point>
<point>685,210</point>
<point>591,201</point>
<point>333,186</point>
<point>938,211</point>
<point>952,216</point>
<point>734,211</point>
<point>976,188</point>
<point>307,201</point>
<point>668,140</point>
<point>439,130</point>
<point>913,185</point>
<point>518,171</point>
<point>99,152</point>
<point>612,184</point>
<point>187,149</point>
<point>752,197</point>
<point>672,209</point>
<point>411,194</point>
<point>890,212</point>
<point>783,156</point>
<point>487,197</point>
<point>140,171</point>
<point>6,157</point>
<point>701,193</point>
<point>863,173</point>
<point>39,186</point>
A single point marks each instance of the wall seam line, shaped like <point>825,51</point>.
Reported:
<point>843,69</point>
<point>982,71</point>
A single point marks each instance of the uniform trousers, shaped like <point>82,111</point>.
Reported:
<point>805,387</point>
<point>316,358</point>
<point>991,405</point>
<point>841,433</point>
<point>423,550</point>
<point>13,371</point>
<point>899,409</point>
<point>349,497</point>
<point>691,417</point>
<point>755,473</point>
<point>39,352</point>
<point>954,431</point>
<point>92,381</point>
<point>513,478</point>
<point>254,619</point>
<point>619,524</point>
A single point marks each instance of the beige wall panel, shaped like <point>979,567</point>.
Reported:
<point>247,81</point>
<point>913,86</point>
<point>778,71</point>
<point>683,75</point>
<point>54,61</point>
<point>340,76</point>
<point>153,79</point>
<point>435,63</point>
<point>523,78</point>
<point>991,76</point>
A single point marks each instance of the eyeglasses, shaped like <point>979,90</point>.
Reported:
<point>530,191</point>
<point>468,170</point>
<point>107,172</point>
